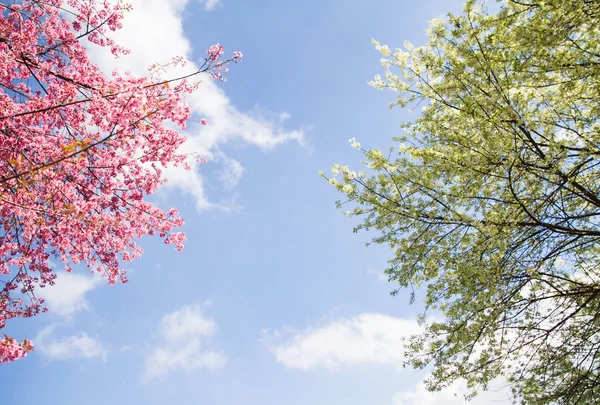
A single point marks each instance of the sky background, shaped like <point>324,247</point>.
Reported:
<point>274,300</point>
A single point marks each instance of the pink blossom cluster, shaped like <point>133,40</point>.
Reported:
<point>237,56</point>
<point>79,151</point>
<point>215,52</point>
<point>217,76</point>
<point>11,350</point>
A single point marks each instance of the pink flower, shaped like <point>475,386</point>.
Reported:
<point>217,76</point>
<point>215,51</point>
<point>203,121</point>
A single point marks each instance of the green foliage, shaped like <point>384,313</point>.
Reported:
<point>491,201</point>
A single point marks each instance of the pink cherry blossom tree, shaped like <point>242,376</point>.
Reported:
<point>79,150</point>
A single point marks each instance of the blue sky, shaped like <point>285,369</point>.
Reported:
<point>274,300</point>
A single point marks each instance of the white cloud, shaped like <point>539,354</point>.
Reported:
<point>499,393</point>
<point>366,338</point>
<point>183,334</point>
<point>188,357</point>
<point>371,338</point>
<point>210,5</point>
<point>381,276</point>
<point>187,322</point>
<point>80,346</point>
<point>153,32</point>
<point>231,173</point>
<point>67,296</point>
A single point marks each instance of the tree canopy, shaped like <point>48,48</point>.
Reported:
<point>490,199</point>
<point>80,150</point>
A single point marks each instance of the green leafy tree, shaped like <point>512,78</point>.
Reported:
<point>491,199</point>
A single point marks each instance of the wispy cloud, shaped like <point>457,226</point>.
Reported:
<point>183,335</point>
<point>381,276</point>
<point>231,173</point>
<point>68,295</point>
<point>79,346</point>
<point>210,5</point>
<point>499,393</point>
<point>366,338</point>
